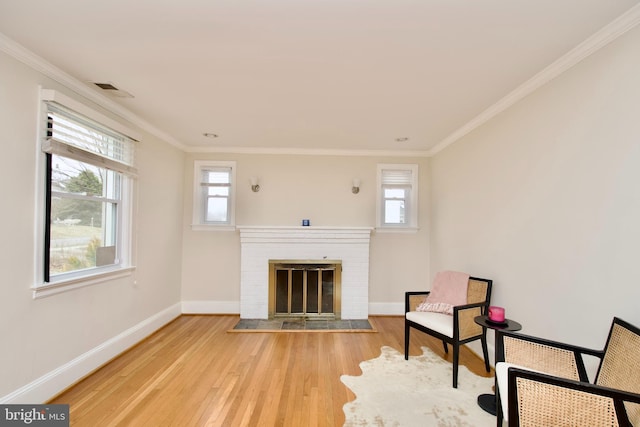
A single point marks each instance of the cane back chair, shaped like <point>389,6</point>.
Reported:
<point>537,399</point>
<point>457,329</point>
<point>619,366</point>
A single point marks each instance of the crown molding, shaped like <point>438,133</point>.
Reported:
<point>309,151</point>
<point>41,65</point>
<point>597,41</point>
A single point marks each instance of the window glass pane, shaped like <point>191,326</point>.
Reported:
<point>216,209</point>
<point>394,212</point>
<point>72,176</point>
<point>84,215</point>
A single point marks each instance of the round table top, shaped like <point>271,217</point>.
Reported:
<point>508,325</point>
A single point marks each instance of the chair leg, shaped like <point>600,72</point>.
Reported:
<point>406,340</point>
<point>499,415</point>
<point>485,352</point>
<point>456,351</point>
<point>446,349</point>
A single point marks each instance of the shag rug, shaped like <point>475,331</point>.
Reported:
<point>417,392</point>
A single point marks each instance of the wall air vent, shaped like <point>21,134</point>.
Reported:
<point>112,90</point>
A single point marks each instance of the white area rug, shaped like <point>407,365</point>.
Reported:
<point>417,392</point>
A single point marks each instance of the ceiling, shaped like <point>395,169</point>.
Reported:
<point>348,75</point>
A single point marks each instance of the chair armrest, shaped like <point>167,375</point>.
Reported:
<point>468,306</point>
<point>408,306</point>
<point>559,359</point>
<point>558,398</point>
<point>464,326</point>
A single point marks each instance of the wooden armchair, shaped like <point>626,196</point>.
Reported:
<point>457,329</point>
<point>537,399</point>
<point>619,366</point>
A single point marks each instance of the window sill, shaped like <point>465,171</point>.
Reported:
<point>203,227</point>
<point>403,230</point>
<point>48,289</point>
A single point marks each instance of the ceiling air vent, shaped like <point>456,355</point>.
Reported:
<point>110,89</point>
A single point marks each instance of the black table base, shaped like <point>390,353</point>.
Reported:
<point>488,403</point>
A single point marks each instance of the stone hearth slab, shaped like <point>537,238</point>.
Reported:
<point>293,325</point>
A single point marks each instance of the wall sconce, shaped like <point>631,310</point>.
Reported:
<point>355,189</point>
<point>255,187</point>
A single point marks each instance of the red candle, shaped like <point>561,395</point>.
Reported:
<point>496,314</point>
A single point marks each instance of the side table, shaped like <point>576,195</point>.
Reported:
<point>488,401</point>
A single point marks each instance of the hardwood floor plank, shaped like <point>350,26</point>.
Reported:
<point>193,372</point>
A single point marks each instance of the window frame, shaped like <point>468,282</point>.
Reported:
<point>199,222</point>
<point>411,200</point>
<point>124,222</point>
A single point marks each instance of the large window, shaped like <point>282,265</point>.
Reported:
<point>214,195</point>
<point>397,196</point>
<point>88,171</point>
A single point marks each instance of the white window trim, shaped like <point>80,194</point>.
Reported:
<point>198,223</point>
<point>94,276</point>
<point>68,284</point>
<point>412,226</point>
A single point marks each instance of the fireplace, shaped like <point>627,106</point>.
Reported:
<point>346,246</point>
<point>309,289</point>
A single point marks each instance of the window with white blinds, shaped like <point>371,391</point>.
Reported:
<point>71,135</point>
<point>397,196</point>
<point>88,171</point>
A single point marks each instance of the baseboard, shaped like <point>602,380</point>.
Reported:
<point>210,307</point>
<point>386,308</point>
<point>55,381</point>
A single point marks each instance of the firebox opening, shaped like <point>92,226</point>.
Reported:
<point>307,289</point>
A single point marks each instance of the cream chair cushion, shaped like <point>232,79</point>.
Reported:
<point>439,322</point>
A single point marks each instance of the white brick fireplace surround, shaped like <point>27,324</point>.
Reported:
<point>259,245</point>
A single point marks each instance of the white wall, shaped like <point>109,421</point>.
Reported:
<point>41,336</point>
<point>545,200</point>
<point>293,187</point>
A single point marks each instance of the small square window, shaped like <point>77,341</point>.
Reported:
<point>397,196</point>
<point>214,194</point>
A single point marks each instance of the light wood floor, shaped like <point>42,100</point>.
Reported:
<point>193,372</point>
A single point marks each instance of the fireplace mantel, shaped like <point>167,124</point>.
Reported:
<point>301,234</point>
<point>260,244</point>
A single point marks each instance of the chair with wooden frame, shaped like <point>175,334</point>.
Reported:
<point>619,366</point>
<point>457,329</point>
